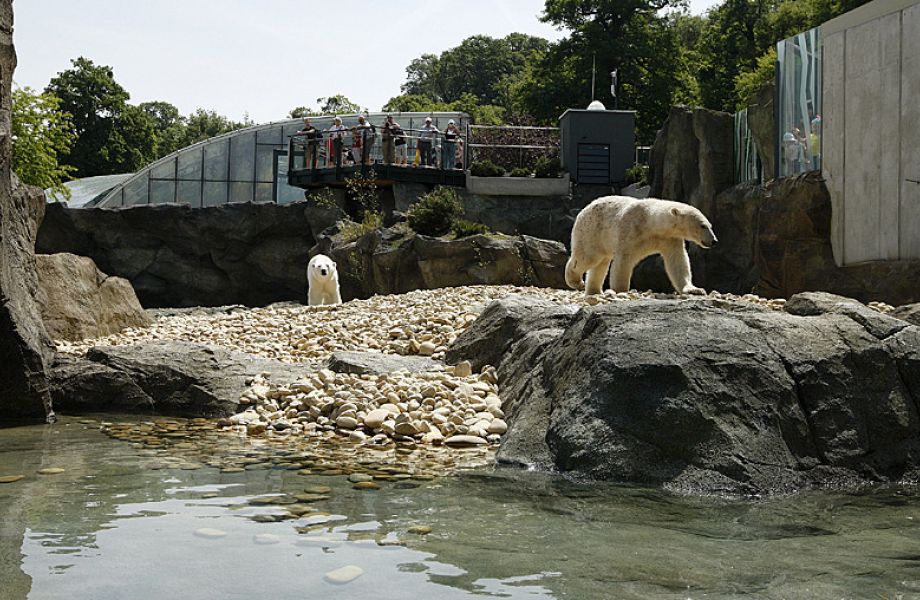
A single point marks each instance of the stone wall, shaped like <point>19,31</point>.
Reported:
<point>25,348</point>
<point>174,256</point>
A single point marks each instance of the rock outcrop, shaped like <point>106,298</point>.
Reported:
<point>166,378</point>
<point>691,160</point>
<point>79,301</point>
<point>762,121</point>
<point>706,396</point>
<point>394,261</point>
<point>25,348</point>
<point>252,254</point>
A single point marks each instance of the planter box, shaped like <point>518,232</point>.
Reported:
<point>518,186</point>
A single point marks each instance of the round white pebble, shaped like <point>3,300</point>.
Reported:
<point>344,575</point>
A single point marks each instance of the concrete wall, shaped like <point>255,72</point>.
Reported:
<point>871,125</point>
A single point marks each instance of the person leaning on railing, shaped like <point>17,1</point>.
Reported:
<point>311,135</point>
<point>449,146</point>
<point>334,143</point>
<point>399,145</point>
<point>426,136</point>
<point>388,140</point>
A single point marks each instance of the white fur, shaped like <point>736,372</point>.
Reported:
<point>323,281</point>
<point>616,232</point>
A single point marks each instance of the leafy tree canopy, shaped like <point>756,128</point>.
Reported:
<point>41,133</point>
<point>338,104</point>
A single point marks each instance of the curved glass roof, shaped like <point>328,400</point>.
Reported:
<point>247,165</point>
<point>84,192</point>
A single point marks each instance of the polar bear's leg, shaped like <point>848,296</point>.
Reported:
<point>596,275</point>
<point>621,273</point>
<point>573,275</point>
<point>315,295</point>
<point>677,265</point>
<point>336,292</point>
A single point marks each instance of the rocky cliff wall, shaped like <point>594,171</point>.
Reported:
<point>25,348</point>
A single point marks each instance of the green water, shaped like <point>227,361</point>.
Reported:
<point>109,527</point>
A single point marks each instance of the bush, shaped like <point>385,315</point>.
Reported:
<point>463,228</point>
<point>520,172</point>
<point>637,174</point>
<point>486,168</point>
<point>351,231</point>
<point>435,212</point>
<point>548,168</point>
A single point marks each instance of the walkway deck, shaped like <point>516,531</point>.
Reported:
<point>384,175</point>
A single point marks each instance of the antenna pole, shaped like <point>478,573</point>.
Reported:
<point>593,74</point>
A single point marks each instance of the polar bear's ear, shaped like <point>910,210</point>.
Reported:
<point>675,211</point>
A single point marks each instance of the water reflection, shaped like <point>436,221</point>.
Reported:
<point>109,527</point>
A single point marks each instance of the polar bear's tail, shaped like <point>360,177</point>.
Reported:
<point>573,274</point>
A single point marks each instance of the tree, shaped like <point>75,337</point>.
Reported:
<point>90,94</point>
<point>337,104</point>
<point>300,112</point>
<point>203,124</point>
<point>481,66</point>
<point>169,126</point>
<point>41,134</point>
<point>133,141</point>
<point>630,35</point>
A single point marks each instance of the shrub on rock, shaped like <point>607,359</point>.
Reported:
<point>436,212</point>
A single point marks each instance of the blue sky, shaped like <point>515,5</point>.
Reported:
<point>261,58</point>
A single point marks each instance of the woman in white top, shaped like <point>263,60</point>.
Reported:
<point>334,141</point>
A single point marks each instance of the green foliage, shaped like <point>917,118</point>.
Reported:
<point>435,213</point>
<point>203,124</point>
<point>324,198</point>
<point>169,126</point>
<point>548,168</point>
<point>95,101</point>
<point>362,194</point>
<point>748,83</point>
<point>637,174</point>
<point>299,112</point>
<point>486,168</point>
<point>463,228</point>
<point>338,104</point>
<point>482,114</point>
<point>520,172</point>
<point>351,230</point>
<point>41,133</point>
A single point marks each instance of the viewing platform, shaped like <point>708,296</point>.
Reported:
<point>383,175</point>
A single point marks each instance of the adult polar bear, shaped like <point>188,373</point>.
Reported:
<point>322,281</point>
<point>626,230</point>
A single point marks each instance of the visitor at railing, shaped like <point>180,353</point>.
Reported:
<point>449,146</point>
<point>458,155</point>
<point>400,144</point>
<point>814,143</point>
<point>426,137</point>
<point>389,143</point>
<point>312,135</point>
<point>334,142</point>
<point>364,135</point>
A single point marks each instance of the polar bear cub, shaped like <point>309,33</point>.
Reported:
<point>616,232</point>
<point>322,281</point>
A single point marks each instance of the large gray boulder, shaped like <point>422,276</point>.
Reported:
<point>79,301</point>
<point>166,378</point>
<point>25,348</point>
<point>395,261</point>
<point>707,396</point>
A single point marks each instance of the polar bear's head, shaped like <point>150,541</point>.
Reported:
<point>693,226</point>
<point>321,268</point>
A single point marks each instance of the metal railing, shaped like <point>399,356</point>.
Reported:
<point>371,145</point>
<point>510,146</point>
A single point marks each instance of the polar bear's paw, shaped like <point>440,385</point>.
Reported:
<point>692,289</point>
